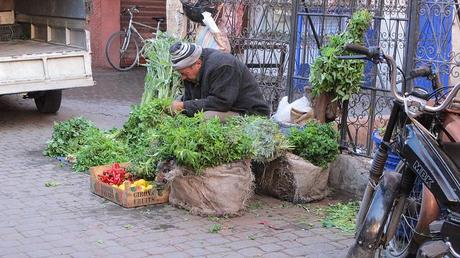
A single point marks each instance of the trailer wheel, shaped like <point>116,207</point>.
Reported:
<point>49,102</point>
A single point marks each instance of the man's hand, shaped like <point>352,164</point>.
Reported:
<point>177,106</point>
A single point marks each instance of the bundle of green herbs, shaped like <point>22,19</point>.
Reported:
<point>161,81</point>
<point>342,78</point>
<point>268,143</point>
<point>315,142</point>
<point>142,120</point>
<point>101,148</point>
<point>79,140</point>
<point>69,136</point>
<point>197,143</point>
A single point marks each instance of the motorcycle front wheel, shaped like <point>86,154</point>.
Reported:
<point>403,243</point>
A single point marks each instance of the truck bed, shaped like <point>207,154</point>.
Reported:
<point>17,48</point>
<point>29,65</point>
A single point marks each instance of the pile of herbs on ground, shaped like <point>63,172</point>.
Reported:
<point>341,216</point>
<point>83,144</point>
<point>151,136</point>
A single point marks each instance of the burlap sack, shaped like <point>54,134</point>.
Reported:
<point>292,178</point>
<point>219,191</point>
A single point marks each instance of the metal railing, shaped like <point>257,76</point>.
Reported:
<point>279,48</point>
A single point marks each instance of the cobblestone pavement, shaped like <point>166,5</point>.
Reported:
<point>68,221</point>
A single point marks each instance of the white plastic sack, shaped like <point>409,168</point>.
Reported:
<point>283,113</point>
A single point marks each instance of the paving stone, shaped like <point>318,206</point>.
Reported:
<point>40,253</point>
<point>311,240</point>
<point>275,255</point>
<point>290,244</point>
<point>197,251</point>
<point>271,247</point>
<point>175,255</point>
<point>217,249</point>
<point>242,244</point>
<point>251,252</point>
<point>16,255</point>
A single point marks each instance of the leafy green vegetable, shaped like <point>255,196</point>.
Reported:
<point>68,137</point>
<point>341,216</point>
<point>51,183</point>
<point>316,143</point>
<point>198,143</point>
<point>215,228</point>
<point>161,81</point>
<point>268,143</point>
<point>100,149</point>
<point>340,77</point>
<point>142,120</point>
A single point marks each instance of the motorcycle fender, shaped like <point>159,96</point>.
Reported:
<point>370,232</point>
<point>381,205</point>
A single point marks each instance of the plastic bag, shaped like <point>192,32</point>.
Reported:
<point>283,113</point>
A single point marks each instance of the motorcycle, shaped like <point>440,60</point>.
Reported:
<point>415,210</point>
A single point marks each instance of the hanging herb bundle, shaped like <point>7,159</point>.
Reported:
<point>342,78</point>
<point>161,81</point>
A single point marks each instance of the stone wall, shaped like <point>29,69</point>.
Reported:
<point>349,175</point>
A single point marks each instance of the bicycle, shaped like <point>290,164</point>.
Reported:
<point>122,49</point>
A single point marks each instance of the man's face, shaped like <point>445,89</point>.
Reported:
<point>190,73</point>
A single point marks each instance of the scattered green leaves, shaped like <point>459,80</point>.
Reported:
<point>128,226</point>
<point>213,218</point>
<point>215,228</point>
<point>341,216</point>
<point>340,77</point>
<point>256,205</point>
<point>51,183</point>
<point>252,237</point>
<point>316,143</point>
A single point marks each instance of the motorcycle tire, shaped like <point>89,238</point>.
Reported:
<point>403,244</point>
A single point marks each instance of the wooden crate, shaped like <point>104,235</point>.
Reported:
<point>130,197</point>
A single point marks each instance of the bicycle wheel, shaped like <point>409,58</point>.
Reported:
<point>121,51</point>
<point>402,244</point>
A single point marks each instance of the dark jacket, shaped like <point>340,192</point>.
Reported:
<point>224,84</point>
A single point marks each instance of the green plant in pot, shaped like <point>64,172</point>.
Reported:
<point>332,79</point>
